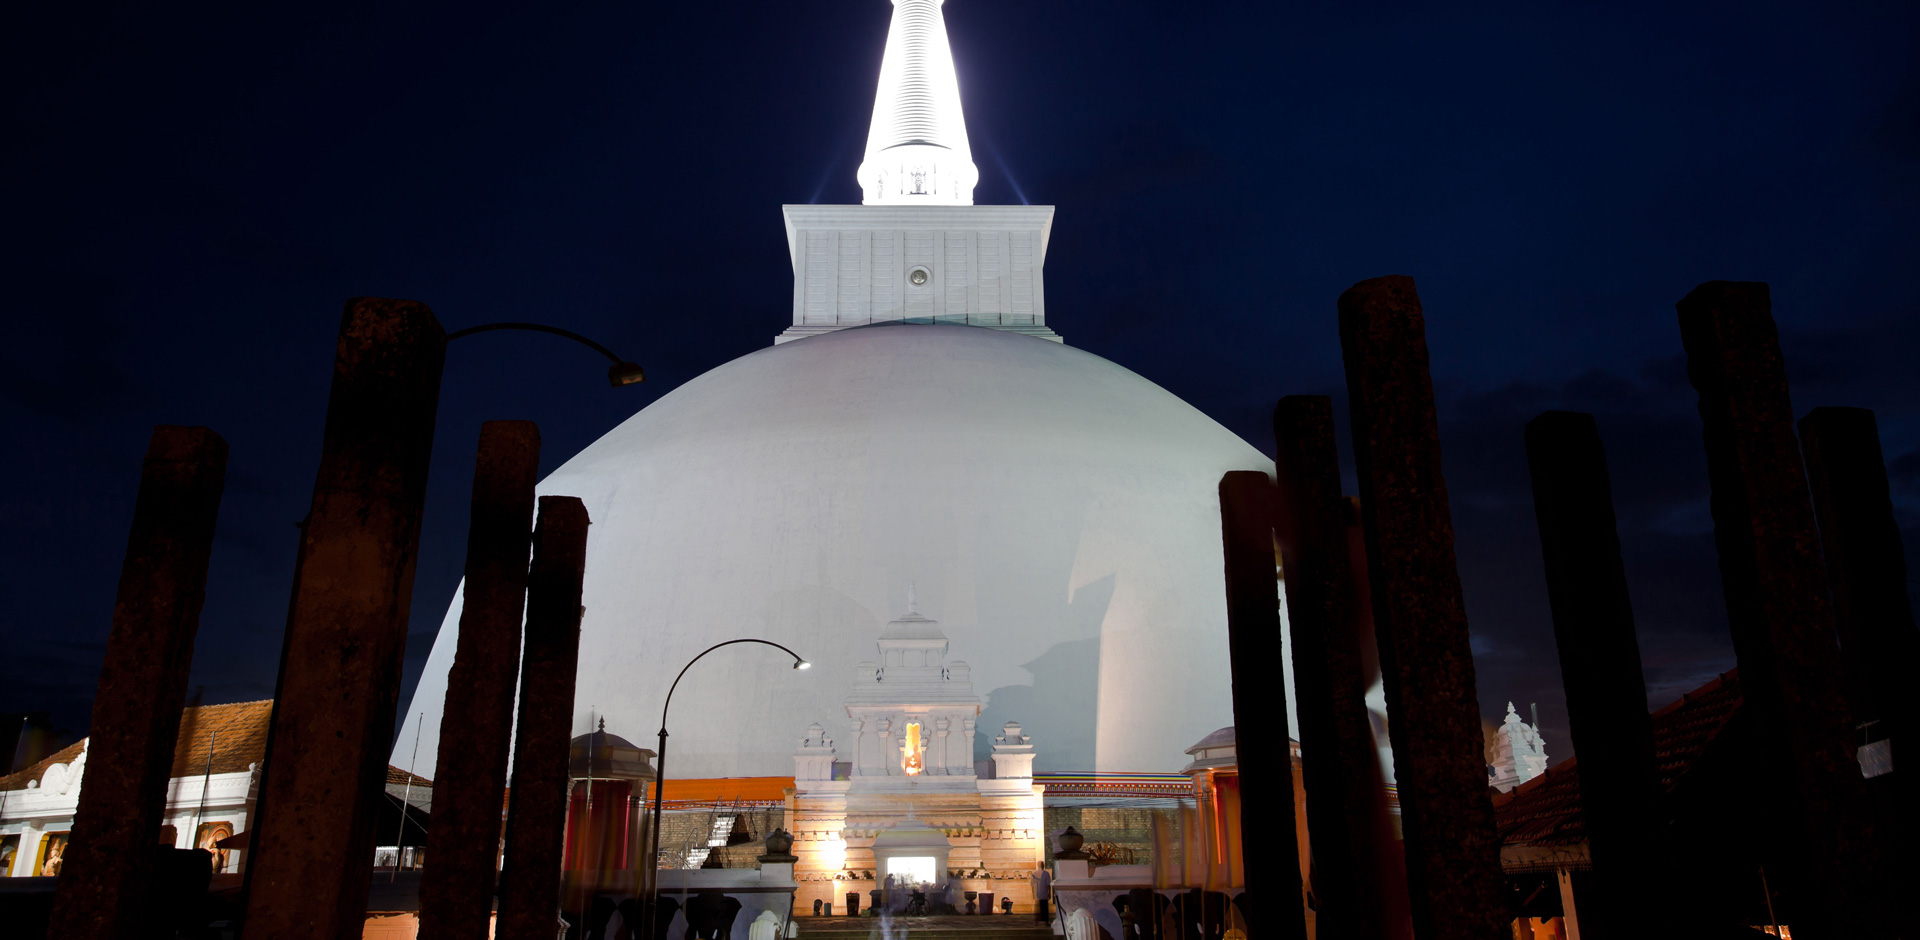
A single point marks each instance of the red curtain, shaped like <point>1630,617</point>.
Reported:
<point>597,834</point>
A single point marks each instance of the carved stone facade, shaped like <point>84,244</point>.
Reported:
<point>912,716</point>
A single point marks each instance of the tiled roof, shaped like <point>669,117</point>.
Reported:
<point>1545,811</point>
<point>398,778</point>
<point>1683,729</point>
<point>749,790</point>
<point>235,734</point>
<point>65,755</point>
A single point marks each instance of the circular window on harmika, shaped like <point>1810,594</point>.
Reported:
<point>918,277</point>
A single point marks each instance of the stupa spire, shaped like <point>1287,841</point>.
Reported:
<point>917,151</point>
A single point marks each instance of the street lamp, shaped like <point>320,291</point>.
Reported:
<point>620,373</point>
<point>652,859</point>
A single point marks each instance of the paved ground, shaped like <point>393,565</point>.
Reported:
<point>963,927</point>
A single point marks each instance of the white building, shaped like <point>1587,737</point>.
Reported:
<point>210,797</point>
<point>918,420</point>
<point>216,769</point>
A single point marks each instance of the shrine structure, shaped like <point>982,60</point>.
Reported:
<point>910,773</point>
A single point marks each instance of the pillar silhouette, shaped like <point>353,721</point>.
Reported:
<point>1600,668</point>
<point>549,664</point>
<point>326,761</point>
<point>1777,601</point>
<point>1867,567</point>
<point>1453,856</point>
<point>456,890</point>
<point>104,889</point>
<point>1262,749</point>
<point>1330,679</point>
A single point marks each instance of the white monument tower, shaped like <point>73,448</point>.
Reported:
<point>918,250</point>
<point>1515,753</point>
<point>917,418</point>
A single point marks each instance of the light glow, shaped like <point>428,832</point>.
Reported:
<point>917,869</point>
<point>917,152</point>
<point>913,762</point>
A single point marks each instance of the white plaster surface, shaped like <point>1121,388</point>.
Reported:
<point>1058,512</point>
<point>972,265</point>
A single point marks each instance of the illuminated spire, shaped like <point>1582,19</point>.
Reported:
<point>917,151</point>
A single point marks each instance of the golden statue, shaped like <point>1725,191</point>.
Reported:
<point>913,764</point>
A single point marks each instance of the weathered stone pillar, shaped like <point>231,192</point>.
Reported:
<point>1261,748</point>
<point>537,817</point>
<point>1389,876</point>
<point>1867,566</point>
<point>1600,667</point>
<point>1453,861</point>
<point>1337,756</point>
<point>312,835</point>
<point>1777,605</point>
<point>104,888</point>
<point>469,783</point>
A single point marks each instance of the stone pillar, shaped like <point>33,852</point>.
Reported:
<point>1777,605</point>
<point>537,818</point>
<point>1453,854</point>
<point>1569,912</point>
<point>312,836</point>
<point>1600,667</point>
<point>456,891</point>
<point>105,881</point>
<point>1338,762</point>
<point>1867,567</point>
<point>1389,876</point>
<point>1268,840</point>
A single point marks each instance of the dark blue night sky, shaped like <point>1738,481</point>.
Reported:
<point>191,192</point>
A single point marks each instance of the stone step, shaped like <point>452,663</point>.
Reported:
<point>976,927</point>
<point>900,932</point>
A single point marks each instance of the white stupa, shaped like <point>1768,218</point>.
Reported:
<point>917,422</point>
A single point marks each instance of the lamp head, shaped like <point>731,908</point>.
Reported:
<point>625,373</point>
<point>802,664</point>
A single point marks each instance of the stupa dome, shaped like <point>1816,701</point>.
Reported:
<point>1057,512</point>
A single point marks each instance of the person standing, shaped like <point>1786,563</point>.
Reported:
<point>1042,892</point>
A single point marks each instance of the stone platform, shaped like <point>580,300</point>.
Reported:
<point>950,927</point>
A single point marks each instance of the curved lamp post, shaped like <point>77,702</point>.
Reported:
<point>652,861</point>
<point>620,373</point>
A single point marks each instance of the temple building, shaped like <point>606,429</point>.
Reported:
<point>1516,753</point>
<point>210,799</point>
<point>917,418</point>
<point>216,769</point>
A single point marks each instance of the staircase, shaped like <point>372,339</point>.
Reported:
<point>719,827</point>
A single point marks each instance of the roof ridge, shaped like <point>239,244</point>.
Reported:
<point>1690,696</point>
<point>1536,782</point>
